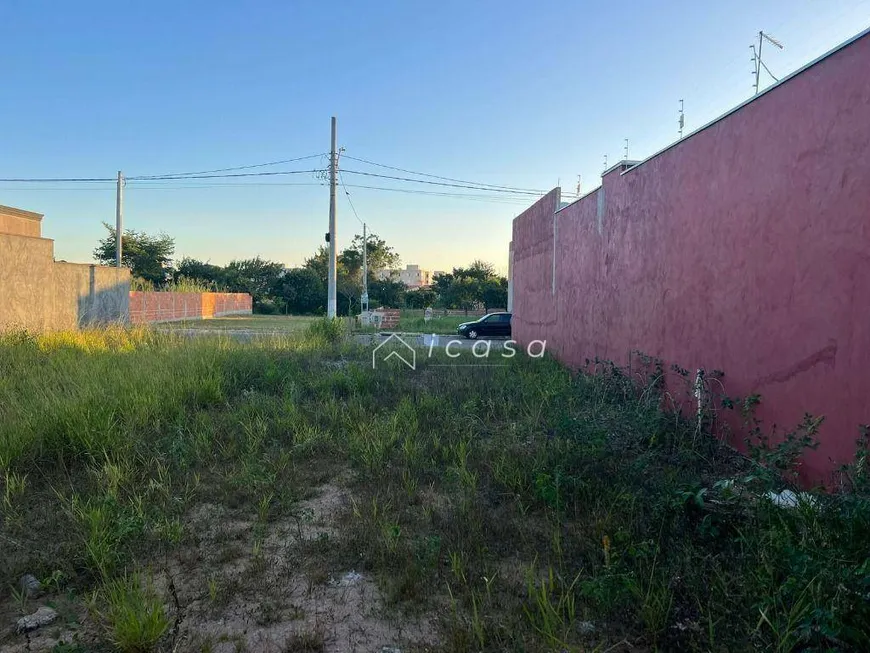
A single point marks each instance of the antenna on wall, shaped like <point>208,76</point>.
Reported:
<point>626,149</point>
<point>605,162</point>
<point>682,120</point>
<point>578,184</point>
<point>757,60</point>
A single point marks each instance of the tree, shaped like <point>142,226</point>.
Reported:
<point>348,284</point>
<point>464,293</point>
<point>303,292</point>
<point>203,272</point>
<point>386,293</point>
<point>259,278</point>
<point>467,288</point>
<point>380,256</point>
<point>420,298</point>
<point>148,257</point>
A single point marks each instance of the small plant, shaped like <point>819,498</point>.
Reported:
<point>326,330</point>
<point>19,597</point>
<point>134,614</point>
<point>213,588</point>
<point>551,606</point>
<point>14,486</point>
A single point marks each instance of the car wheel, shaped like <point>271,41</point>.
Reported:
<point>472,335</point>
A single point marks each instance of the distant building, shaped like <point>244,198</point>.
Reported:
<point>413,276</point>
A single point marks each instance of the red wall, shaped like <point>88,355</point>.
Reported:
<point>745,248</point>
<point>169,306</point>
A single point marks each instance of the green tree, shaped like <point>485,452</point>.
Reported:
<point>303,292</point>
<point>259,278</point>
<point>348,284</point>
<point>471,287</point>
<point>493,293</point>
<point>206,273</point>
<point>147,257</point>
<point>380,256</point>
<point>420,298</point>
<point>386,293</point>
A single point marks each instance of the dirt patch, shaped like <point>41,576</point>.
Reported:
<point>248,586</point>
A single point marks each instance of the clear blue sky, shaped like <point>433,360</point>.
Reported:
<point>504,92</point>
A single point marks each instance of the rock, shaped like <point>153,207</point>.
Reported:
<point>586,627</point>
<point>30,585</point>
<point>790,499</point>
<point>41,617</point>
<point>350,578</point>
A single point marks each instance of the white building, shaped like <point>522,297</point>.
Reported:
<point>413,276</point>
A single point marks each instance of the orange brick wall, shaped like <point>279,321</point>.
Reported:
<point>171,306</point>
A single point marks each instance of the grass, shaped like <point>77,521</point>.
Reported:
<point>272,324</point>
<point>440,324</point>
<point>518,508</point>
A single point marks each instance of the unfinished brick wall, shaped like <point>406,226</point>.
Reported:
<point>172,306</point>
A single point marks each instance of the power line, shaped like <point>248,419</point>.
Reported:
<point>347,194</point>
<point>227,185</point>
<point>59,180</point>
<point>224,176</point>
<point>460,181</point>
<point>441,183</point>
<point>247,167</point>
<point>413,191</point>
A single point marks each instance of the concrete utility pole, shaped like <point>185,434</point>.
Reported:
<point>119,219</point>
<point>364,303</point>
<point>331,303</point>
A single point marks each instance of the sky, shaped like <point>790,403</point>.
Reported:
<point>509,93</point>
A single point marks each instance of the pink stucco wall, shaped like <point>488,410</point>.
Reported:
<point>745,248</point>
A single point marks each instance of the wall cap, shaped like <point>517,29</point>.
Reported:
<point>20,213</point>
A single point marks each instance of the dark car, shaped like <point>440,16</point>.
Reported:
<point>494,324</point>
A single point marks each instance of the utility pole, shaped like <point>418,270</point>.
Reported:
<point>364,303</point>
<point>682,120</point>
<point>331,303</point>
<point>119,219</point>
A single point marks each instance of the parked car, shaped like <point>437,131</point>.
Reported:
<point>494,324</point>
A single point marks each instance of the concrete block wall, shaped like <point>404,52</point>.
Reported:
<point>743,248</point>
<point>148,307</point>
<point>39,294</point>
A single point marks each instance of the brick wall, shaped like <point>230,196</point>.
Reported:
<point>744,248</point>
<point>172,306</point>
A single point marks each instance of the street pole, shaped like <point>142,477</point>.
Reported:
<point>119,219</point>
<point>331,303</point>
<point>365,271</point>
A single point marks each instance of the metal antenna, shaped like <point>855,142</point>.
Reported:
<point>682,120</point>
<point>578,184</point>
<point>757,60</point>
<point>605,162</point>
<point>626,149</point>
